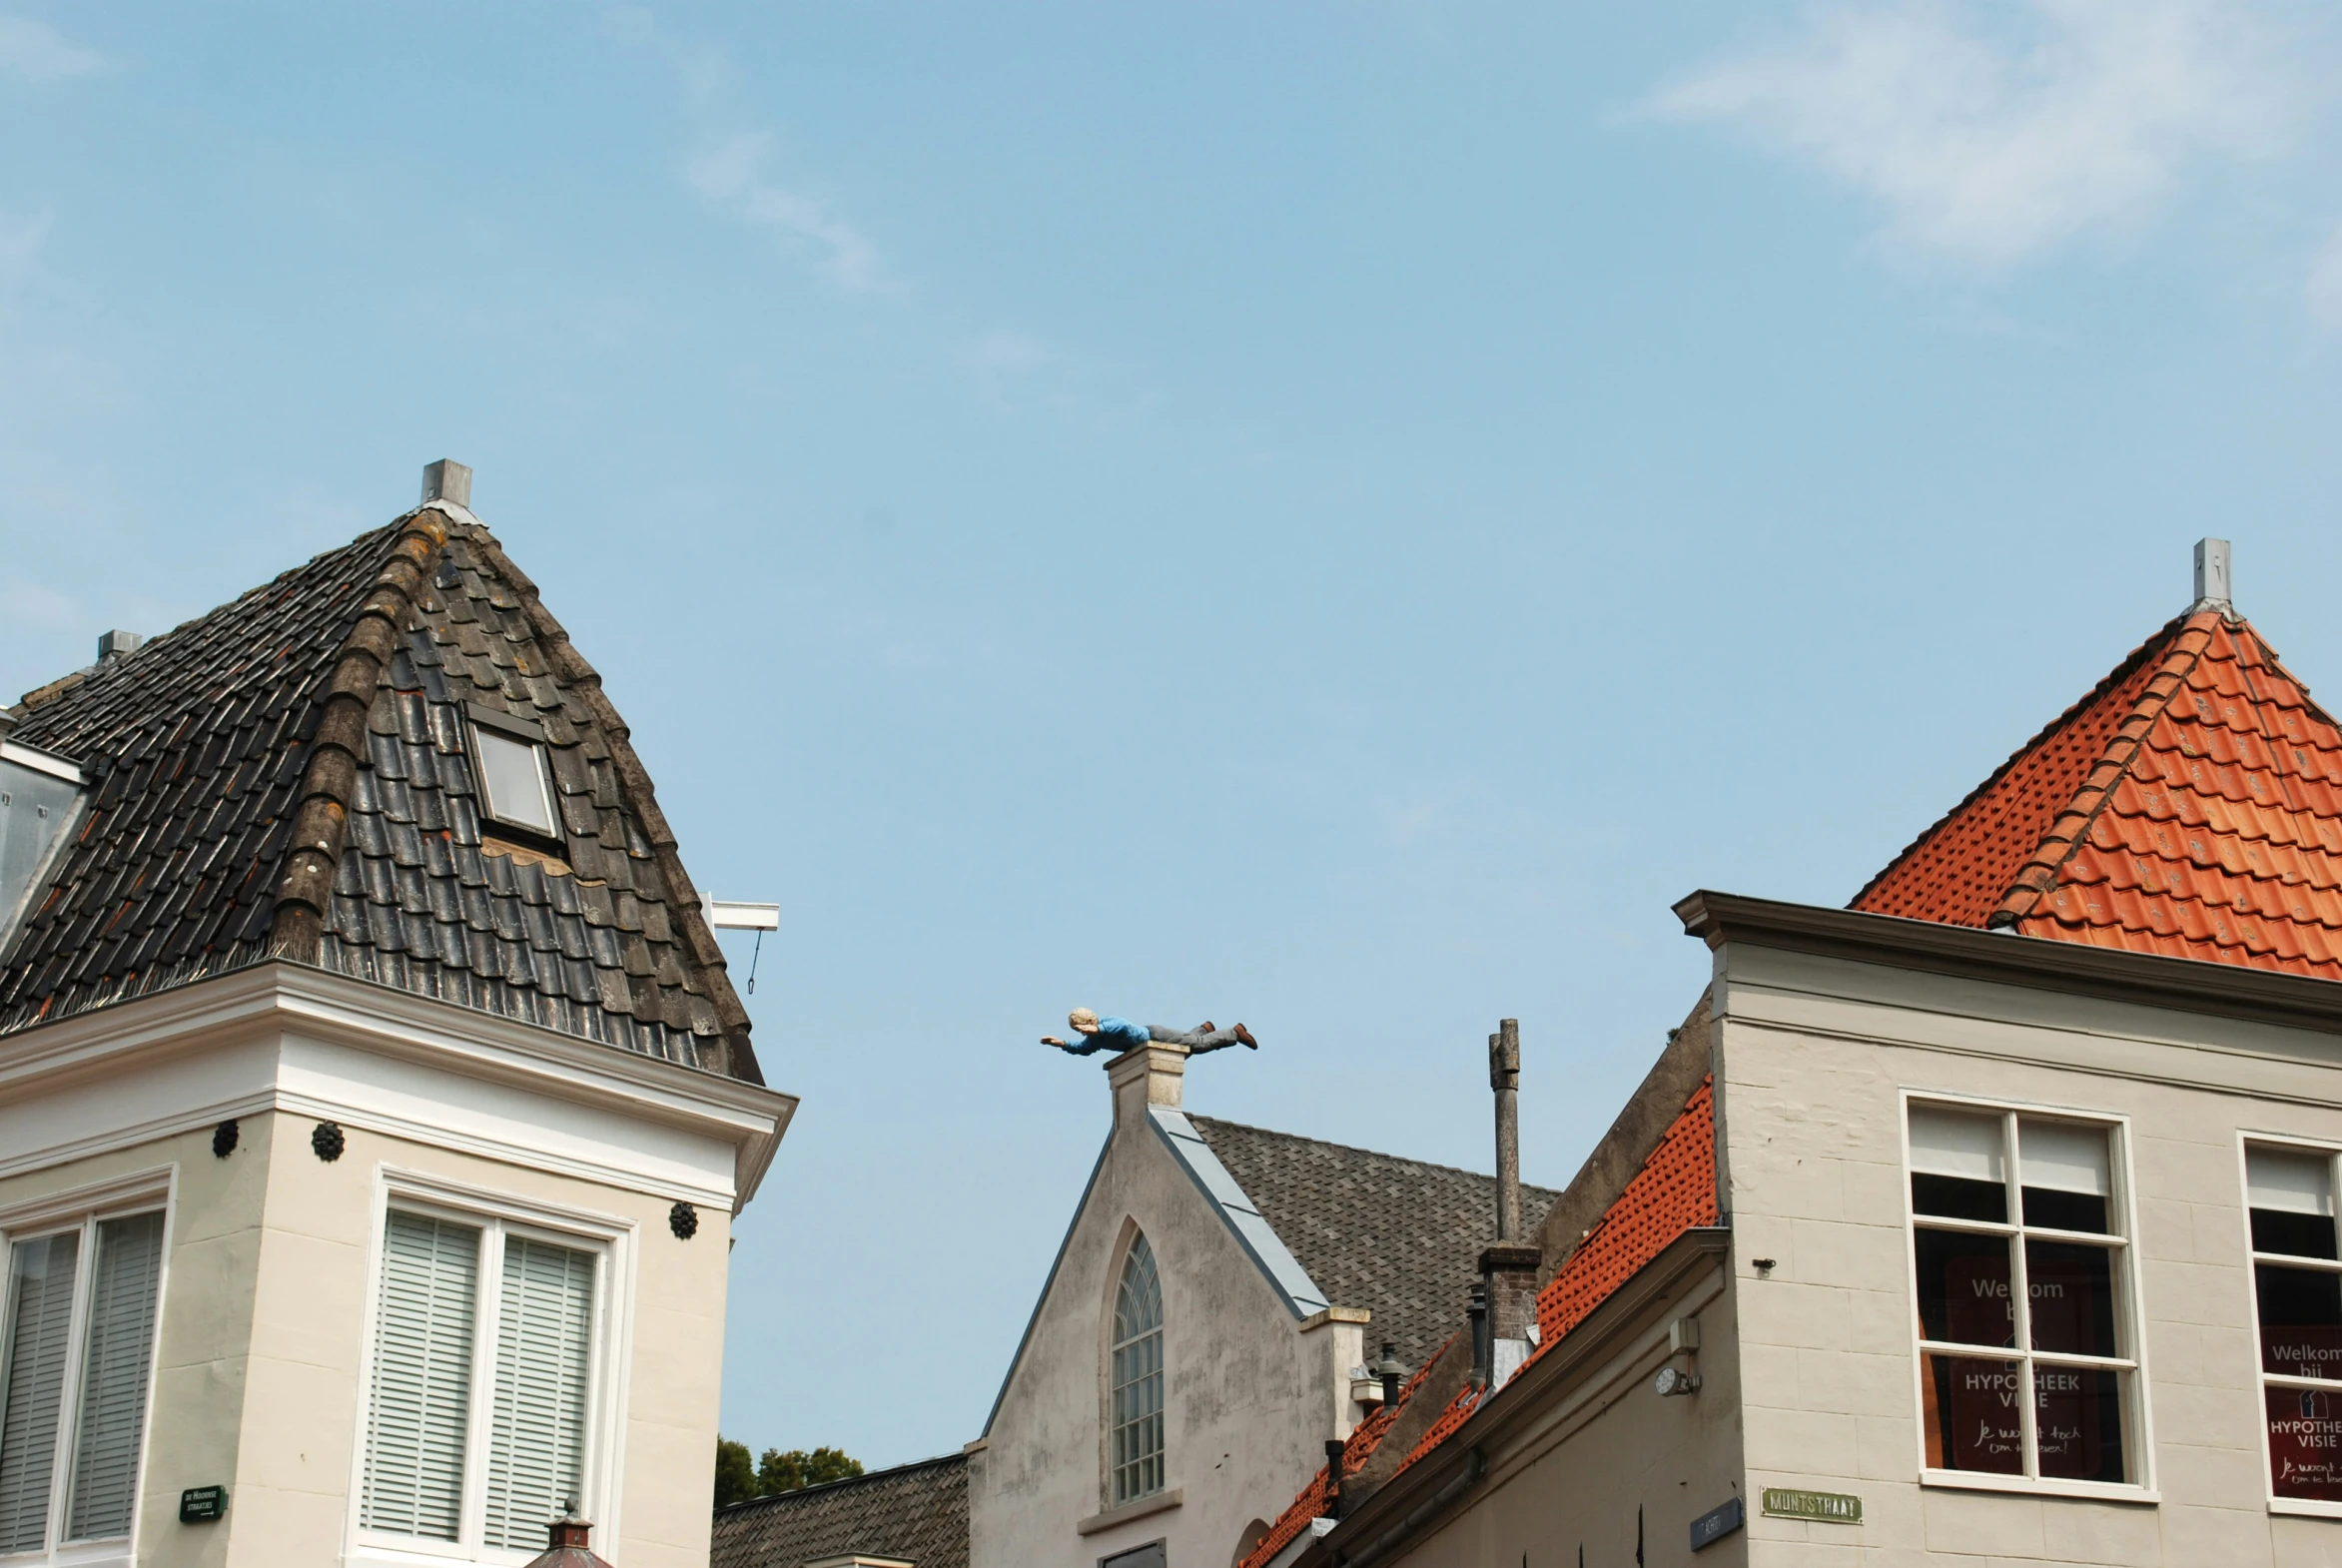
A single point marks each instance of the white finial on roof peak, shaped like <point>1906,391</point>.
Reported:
<point>2212,577</point>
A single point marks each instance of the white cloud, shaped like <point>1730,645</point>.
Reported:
<point>731,175</point>
<point>36,52</point>
<point>1991,145</point>
<point>1007,352</point>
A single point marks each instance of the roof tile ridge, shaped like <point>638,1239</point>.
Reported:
<point>2270,657</point>
<point>571,668</point>
<point>891,1472</point>
<point>329,781</point>
<point>1354,1148</point>
<point>2072,825</point>
<point>2113,678</point>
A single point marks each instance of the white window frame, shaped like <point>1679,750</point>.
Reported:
<point>2264,1380</point>
<point>2130,1326</point>
<point>1113,1348</point>
<point>140,1193</point>
<point>614,1241</point>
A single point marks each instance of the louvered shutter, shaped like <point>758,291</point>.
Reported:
<point>537,1436</point>
<point>40,1319</point>
<point>125,1273</point>
<point>422,1393</point>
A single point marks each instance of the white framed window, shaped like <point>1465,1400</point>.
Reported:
<point>496,1338</point>
<point>2024,1292</point>
<point>82,1276</point>
<point>516,776</point>
<point>2297,1311</point>
<point>1135,1380</point>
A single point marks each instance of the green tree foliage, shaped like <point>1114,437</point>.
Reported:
<point>738,1478</point>
<point>786,1472</point>
<point>736,1473</point>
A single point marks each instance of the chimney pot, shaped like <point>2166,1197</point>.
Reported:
<point>1334,1449</point>
<point>2212,589</point>
<point>115,645</point>
<point>447,480</point>
<point>1483,1353</point>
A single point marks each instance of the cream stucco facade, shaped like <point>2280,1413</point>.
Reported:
<point>1826,1028</point>
<point>271,1252</point>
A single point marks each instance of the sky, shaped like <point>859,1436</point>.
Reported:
<point>1333,517</point>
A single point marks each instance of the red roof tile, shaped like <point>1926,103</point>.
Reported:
<point>1675,1191</point>
<point>2188,806</point>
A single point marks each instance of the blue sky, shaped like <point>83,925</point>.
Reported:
<point>1333,517</point>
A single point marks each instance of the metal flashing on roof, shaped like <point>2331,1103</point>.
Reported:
<point>39,761</point>
<point>1269,1250</point>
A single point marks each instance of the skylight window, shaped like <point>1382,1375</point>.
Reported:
<point>515,781</point>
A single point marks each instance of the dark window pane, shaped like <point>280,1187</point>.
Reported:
<point>2303,1236</point>
<point>2077,1422</point>
<point>1970,1413</point>
<point>2056,1211</point>
<point>1964,1288</point>
<point>2301,1320</point>
<point>1958,1197</point>
<point>2072,1288</point>
<point>2305,1444</point>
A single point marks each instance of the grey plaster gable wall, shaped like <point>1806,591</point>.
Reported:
<point>1245,1400</point>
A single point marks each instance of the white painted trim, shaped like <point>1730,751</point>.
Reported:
<point>618,1242</point>
<point>137,1193</point>
<point>383,1021</point>
<point>2125,1204</point>
<point>40,761</point>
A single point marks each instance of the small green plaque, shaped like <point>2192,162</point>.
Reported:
<point>1782,1502</point>
<point>201,1504</point>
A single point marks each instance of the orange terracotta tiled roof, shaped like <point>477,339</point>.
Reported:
<point>1675,1191</point>
<point>2191,805</point>
<point>1310,1503</point>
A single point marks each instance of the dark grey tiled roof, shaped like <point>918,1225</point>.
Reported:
<point>917,1512</point>
<point>287,777</point>
<point>1400,1238</point>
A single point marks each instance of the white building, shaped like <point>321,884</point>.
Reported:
<point>372,1101</point>
<point>1206,1328</point>
<point>1997,1223</point>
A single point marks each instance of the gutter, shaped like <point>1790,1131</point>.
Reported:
<point>2153,980</point>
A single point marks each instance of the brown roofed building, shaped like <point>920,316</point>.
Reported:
<point>374,1101</point>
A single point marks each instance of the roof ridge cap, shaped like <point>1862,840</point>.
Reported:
<point>328,780</point>
<point>2112,678</point>
<point>2038,874</point>
<point>634,786</point>
<point>1356,1149</point>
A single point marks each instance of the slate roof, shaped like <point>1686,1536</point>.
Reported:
<point>915,1511</point>
<point>286,777</point>
<point>2190,805</point>
<point>1400,1238</point>
<point>1674,1191</point>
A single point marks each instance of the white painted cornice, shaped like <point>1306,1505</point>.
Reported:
<point>315,1003</point>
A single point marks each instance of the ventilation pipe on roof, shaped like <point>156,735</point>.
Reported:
<point>447,480</point>
<point>1334,1449</point>
<point>2212,591</point>
<point>113,646</point>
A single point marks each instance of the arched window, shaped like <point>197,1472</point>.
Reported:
<point>1136,1376</point>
